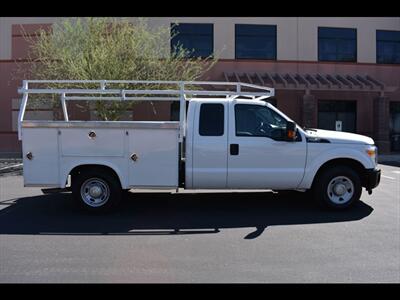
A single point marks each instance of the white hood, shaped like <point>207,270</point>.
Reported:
<point>340,137</point>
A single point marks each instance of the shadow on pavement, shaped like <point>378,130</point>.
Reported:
<point>168,214</point>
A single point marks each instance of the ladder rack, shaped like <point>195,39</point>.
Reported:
<point>145,91</point>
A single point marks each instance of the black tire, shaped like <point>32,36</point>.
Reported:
<point>324,196</point>
<point>104,179</point>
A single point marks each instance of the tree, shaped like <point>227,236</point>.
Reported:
<point>110,49</point>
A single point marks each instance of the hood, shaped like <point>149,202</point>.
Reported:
<point>339,137</point>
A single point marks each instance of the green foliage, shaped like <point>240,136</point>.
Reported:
<point>110,49</point>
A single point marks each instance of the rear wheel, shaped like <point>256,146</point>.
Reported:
<point>338,187</point>
<point>96,190</point>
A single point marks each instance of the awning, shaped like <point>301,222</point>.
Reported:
<point>308,82</point>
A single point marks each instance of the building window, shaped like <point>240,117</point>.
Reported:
<point>211,120</point>
<point>337,115</point>
<point>337,44</point>
<point>387,47</point>
<point>255,41</point>
<point>197,38</point>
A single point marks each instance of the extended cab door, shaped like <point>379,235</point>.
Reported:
<point>209,134</point>
<point>257,157</point>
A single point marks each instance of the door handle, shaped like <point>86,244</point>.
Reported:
<point>234,149</point>
<point>134,157</point>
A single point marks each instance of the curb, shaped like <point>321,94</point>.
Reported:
<point>10,169</point>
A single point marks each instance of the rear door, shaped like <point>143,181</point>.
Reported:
<point>210,143</point>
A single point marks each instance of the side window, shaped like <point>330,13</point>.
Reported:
<point>198,39</point>
<point>256,120</point>
<point>337,44</point>
<point>387,47</point>
<point>255,41</point>
<point>211,119</point>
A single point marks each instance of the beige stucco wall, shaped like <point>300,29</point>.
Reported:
<point>297,37</point>
<point>6,31</point>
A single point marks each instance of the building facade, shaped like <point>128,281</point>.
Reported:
<point>334,73</point>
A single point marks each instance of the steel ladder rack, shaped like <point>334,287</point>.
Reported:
<point>181,93</point>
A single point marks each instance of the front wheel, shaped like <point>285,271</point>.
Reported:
<point>338,187</point>
<point>96,191</point>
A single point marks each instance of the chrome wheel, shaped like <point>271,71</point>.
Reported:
<point>95,192</point>
<point>340,190</point>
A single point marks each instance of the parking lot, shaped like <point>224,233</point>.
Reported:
<point>206,237</point>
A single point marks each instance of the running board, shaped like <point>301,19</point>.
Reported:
<point>56,190</point>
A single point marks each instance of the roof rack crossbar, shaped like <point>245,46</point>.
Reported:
<point>105,90</point>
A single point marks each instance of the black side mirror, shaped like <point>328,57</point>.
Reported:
<point>278,134</point>
<point>290,131</point>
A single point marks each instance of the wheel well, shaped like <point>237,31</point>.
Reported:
<point>352,163</point>
<point>99,168</point>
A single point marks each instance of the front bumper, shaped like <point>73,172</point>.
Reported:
<point>372,177</point>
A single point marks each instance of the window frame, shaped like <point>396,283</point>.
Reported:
<point>191,57</point>
<point>337,60</point>
<point>276,42</point>
<point>376,41</point>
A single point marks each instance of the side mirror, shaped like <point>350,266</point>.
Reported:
<point>290,131</point>
<point>278,134</point>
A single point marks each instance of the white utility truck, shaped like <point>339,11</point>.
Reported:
<point>227,137</point>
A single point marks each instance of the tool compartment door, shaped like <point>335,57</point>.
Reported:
<point>155,156</point>
<point>43,168</point>
<point>104,142</point>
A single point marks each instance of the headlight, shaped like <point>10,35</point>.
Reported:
<point>372,152</point>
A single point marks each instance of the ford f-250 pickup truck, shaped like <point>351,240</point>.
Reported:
<point>224,139</point>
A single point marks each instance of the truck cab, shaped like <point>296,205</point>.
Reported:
<point>241,144</point>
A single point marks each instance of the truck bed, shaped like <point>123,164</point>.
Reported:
<point>59,146</point>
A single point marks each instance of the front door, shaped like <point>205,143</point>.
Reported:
<point>257,157</point>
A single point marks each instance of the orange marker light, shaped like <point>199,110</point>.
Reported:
<point>291,134</point>
<point>371,152</point>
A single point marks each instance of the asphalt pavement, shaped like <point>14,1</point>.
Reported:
<point>210,237</point>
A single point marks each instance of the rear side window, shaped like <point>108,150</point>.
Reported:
<point>211,120</point>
